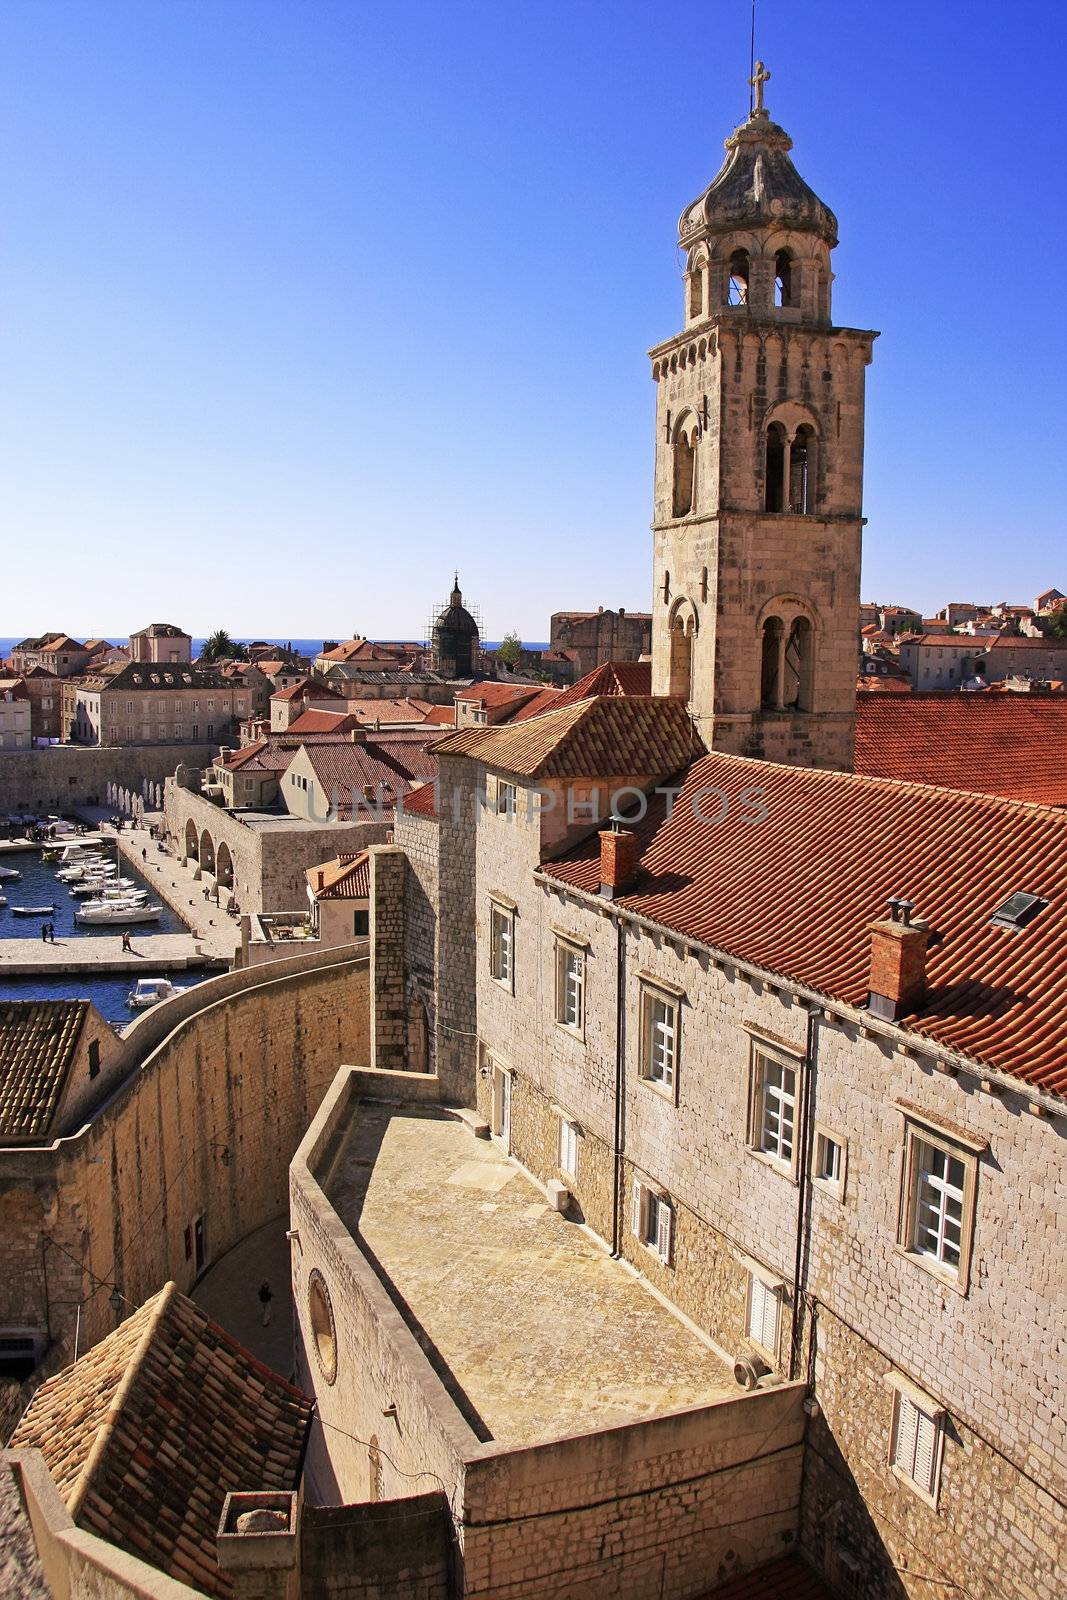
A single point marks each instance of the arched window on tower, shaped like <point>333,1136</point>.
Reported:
<point>737,294</point>
<point>681,679</point>
<point>770,657</point>
<point>783,279</point>
<point>685,445</point>
<point>774,494</point>
<point>696,291</point>
<point>797,667</point>
<point>802,471</point>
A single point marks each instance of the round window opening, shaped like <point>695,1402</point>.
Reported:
<point>322,1325</point>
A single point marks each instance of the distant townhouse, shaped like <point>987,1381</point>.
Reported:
<point>938,660</point>
<point>1041,660</point>
<point>161,643</point>
<point>58,653</point>
<point>961,611</point>
<point>46,703</point>
<point>601,635</point>
<point>900,619</point>
<point>15,715</point>
<point>1049,601</point>
<point>144,704</point>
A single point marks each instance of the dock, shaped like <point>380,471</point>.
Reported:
<point>152,954</point>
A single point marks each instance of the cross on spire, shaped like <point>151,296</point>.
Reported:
<point>758,79</point>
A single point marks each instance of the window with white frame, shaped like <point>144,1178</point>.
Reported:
<point>652,1220</point>
<point>917,1443</point>
<point>505,798</point>
<point>829,1161</point>
<point>764,1314</point>
<point>570,985</point>
<point>568,1147</point>
<point>502,945</point>
<point>772,1120</point>
<point>938,1194</point>
<point>660,1014</point>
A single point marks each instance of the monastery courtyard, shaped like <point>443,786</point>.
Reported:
<point>532,1326</point>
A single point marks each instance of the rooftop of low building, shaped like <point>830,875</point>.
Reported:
<point>346,877</point>
<point>608,735</point>
<point>145,1434</point>
<point>533,1328</point>
<point>38,1044</point>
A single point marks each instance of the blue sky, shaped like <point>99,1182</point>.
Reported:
<point>303,303</point>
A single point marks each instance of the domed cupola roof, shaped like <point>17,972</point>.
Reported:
<point>757,185</point>
<point>456,619</point>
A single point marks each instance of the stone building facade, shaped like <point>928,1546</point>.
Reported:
<point>593,637</point>
<point>145,704</point>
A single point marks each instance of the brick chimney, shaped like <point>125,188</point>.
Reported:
<point>897,982</point>
<point>618,861</point>
<point>258,1544</point>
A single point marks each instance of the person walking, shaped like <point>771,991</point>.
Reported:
<point>144,854</point>
<point>127,945</point>
<point>44,933</point>
<point>265,1299</point>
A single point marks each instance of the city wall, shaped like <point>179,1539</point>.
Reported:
<point>194,1145</point>
<point>65,776</point>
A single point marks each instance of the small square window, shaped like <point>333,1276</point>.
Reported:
<point>361,924</point>
<point>501,946</point>
<point>764,1314</point>
<point>94,1058</point>
<point>505,799</point>
<point>772,1118</point>
<point>917,1445</point>
<point>570,986</point>
<point>828,1166</point>
<point>659,1039</point>
<point>652,1220</point>
<point>568,1148</point>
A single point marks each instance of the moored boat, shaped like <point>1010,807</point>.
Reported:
<point>116,913</point>
<point>32,911</point>
<point>150,991</point>
<point>10,873</point>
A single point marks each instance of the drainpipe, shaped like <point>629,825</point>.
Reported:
<point>620,1084</point>
<point>809,1074</point>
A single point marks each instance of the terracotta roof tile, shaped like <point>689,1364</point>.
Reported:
<point>491,693</point>
<point>1012,745</point>
<point>345,878</point>
<point>146,1433</point>
<point>421,802</point>
<point>841,845</point>
<point>609,736</point>
<point>613,678</point>
<point>38,1042</point>
<point>544,700</point>
<point>321,722</point>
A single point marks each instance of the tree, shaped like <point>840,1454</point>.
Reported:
<point>220,647</point>
<point>1056,625</point>
<point>510,650</point>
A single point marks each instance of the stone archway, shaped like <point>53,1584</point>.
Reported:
<point>192,841</point>
<point>224,866</point>
<point>207,853</point>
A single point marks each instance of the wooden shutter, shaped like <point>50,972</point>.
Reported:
<point>637,1213</point>
<point>906,1431</point>
<point>763,1315</point>
<point>925,1451</point>
<point>664,1231</point>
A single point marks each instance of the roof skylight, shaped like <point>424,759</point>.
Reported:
<point>1018,911</point>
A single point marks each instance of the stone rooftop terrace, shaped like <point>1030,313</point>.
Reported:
<point>538,1333</point>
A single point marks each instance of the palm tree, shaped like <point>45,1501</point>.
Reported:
<point>220,647</point>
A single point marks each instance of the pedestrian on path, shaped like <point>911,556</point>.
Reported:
<point>126,944</point>
<point>44,933</point>
<point>265,1299</point>
<point>51,933</point>
<point>144,855</point>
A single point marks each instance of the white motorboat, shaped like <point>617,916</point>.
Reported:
<point>150,991</point>
<point>116,913</point>
<point>32,911</point>
<point>10,873</point>
<point>101,886</point>
<point>3,900</point>
<point>109,897</point>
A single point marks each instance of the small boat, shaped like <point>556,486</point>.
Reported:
<point>150,991</point>
<point>32,911</point>
<point>117,913</point>
<point>3,900</point>
<point>49,855</point>
<point>108,896</point>
<point>10,872</point>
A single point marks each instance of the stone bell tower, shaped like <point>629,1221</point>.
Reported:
<point>759,467</point>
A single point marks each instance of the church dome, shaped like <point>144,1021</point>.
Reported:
<point>757,187</point>
<point>455,638</point>
<point>456,619</point>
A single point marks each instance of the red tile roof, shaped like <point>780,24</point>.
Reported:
<point>385,765</point>
<point>791,1579</point>
<point>442,716</point>
<point>321,722</point>
<point>613,678</point>
<point>421,802</point>
<point>491,693</point>
<point>307,688</point>
<point>609,736</point>
<point>146,1433</point>
<point>882,683</point>
<point>1012,745</point>
<point>38,1043</point>
<point>545,700</point>
<point>345,878</point>
<point>839,845</point>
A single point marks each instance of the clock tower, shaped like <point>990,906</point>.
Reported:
<point>759,467</point>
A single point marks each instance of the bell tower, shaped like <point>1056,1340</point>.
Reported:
<point>759,467</point>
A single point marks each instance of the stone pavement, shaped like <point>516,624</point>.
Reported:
<point>229,1292</point>
<point>544,1332</point>
<point>217,933</point>
<point>158,952</point>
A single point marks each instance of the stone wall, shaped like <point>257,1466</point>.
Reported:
<point>420,840</point>
<point>204,1126</point>
<point>384,1550</point>
<point>65,776</point>
<point>388,896</point>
